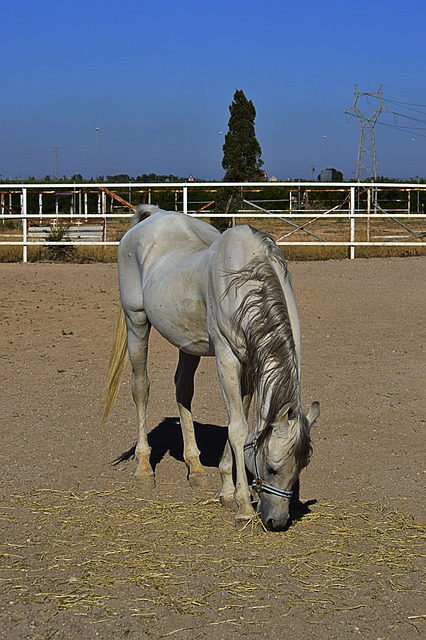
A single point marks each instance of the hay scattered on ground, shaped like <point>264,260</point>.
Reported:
<point>99,555</point>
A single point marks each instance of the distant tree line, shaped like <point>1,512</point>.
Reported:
<point>119,177</point>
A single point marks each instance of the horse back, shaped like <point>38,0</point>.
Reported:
<point>167,231</point>
<point>162,264</point>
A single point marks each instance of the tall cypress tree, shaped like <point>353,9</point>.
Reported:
<point>241,150</point>
<point>241,156</point>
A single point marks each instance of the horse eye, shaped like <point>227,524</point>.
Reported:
<point>271,471</point>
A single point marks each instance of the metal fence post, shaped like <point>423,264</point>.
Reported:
<point>24,225</point>
<point>185,199</point>
<point>352,218</point>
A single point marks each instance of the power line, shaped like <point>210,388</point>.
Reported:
<point>400,127</point>
<point>407,105</point>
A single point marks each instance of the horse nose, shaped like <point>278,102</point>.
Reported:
<point>274,524</point>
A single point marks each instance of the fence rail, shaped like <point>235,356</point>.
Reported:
<point>300,207</point>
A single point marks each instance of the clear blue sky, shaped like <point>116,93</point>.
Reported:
<point>156,78</point>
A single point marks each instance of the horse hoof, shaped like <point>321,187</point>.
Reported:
<point>146,482</point>
<point>228,502</point>
<point>198,481</point>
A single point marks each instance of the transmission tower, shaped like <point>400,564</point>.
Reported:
<point>367,158</point>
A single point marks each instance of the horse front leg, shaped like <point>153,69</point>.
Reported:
<point>184,381</point>
<point>138,334</point>
<point>227,492</point>
<point>229,371</point>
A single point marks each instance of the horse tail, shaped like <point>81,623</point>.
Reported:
<point>143,212</point>
<point>117,364</point>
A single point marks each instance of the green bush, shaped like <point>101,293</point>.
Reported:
<point>59,233</point>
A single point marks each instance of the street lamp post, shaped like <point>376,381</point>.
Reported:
<point>418,194</point>
<point>97,155</point>
<point>324,139</point>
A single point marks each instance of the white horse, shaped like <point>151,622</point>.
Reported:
<point>229,296</point>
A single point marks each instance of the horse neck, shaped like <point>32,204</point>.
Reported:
<point>272,353</point>
<point>267,320</point>
<point>277,385</point>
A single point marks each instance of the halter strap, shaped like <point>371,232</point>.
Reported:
<point>260,485</point>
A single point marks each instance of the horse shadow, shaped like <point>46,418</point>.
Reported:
<point>166,438</point>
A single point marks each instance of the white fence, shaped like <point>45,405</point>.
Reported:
<point>86,210</point>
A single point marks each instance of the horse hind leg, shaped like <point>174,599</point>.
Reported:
<point>138,334</point>
<point>184,381</point>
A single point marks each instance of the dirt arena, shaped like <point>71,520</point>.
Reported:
<point>86,554</point>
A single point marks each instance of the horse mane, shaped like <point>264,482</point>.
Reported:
<point>270,364</point>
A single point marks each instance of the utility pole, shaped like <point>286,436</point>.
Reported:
<point>367,158</point>
<point>55,162</point>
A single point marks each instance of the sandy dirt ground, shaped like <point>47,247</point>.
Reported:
<point>85,553</point>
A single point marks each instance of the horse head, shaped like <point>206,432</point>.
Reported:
<point>275,457</point>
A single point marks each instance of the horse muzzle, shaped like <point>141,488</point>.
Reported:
<point>274,519</point>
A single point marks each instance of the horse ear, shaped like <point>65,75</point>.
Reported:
<point>313,413</point>
<point>283,415</point>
